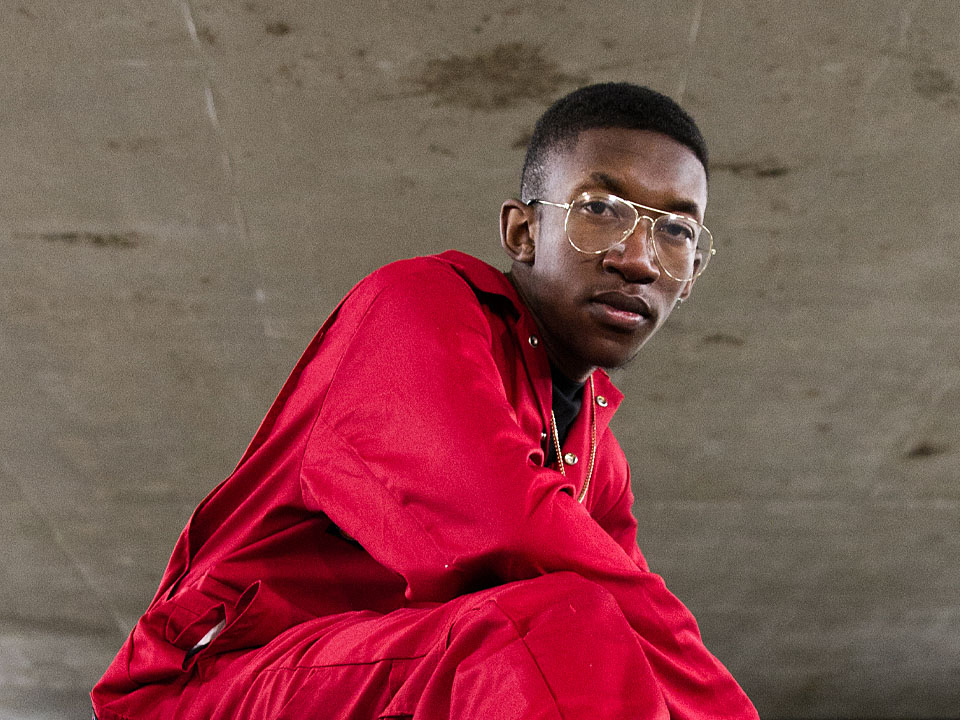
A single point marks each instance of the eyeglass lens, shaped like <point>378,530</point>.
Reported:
<point>596,223</point>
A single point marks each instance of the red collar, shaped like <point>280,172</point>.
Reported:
<point>488,279</point>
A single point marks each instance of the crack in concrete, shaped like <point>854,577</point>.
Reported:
<point>692,35</point>
<point>908,12</point>
<point>226,157</point>
<point>61,544</point>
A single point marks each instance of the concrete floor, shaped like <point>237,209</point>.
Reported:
<point>171,234</point>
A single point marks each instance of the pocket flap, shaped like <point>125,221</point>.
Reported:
<point>258,616</point>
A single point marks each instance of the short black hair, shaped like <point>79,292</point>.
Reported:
<point>605,105</point>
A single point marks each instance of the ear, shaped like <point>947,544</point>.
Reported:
<point>517,221</point>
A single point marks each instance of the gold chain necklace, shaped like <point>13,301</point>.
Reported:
<point>593,442</point>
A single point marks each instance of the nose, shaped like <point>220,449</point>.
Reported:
<point>634,258</point>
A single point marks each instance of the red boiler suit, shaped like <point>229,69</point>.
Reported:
<point>390,544</point>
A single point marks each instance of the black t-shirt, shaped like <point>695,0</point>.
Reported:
<point>567,401</point>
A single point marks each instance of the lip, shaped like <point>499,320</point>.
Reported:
<point>621,310</point>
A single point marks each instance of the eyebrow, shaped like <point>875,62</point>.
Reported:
<point>611,184</point>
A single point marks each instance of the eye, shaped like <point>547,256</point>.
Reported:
<point>676,230</point>
<point>598,209</point>
<point>597,206</point>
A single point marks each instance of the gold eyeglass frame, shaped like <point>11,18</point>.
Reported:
<point>636,210</point>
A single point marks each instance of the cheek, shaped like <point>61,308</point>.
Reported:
<point>552,268</point>
<point>670,297</point>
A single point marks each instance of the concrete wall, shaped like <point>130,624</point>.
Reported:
<point>178,213</point>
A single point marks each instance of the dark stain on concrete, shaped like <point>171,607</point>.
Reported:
<point>120,240</point>
<point>522,141</point>
<point>484,20</point>
<point>438,149</point>
<point>925,449</point>
<point>768,168</point>
<point>534,7</point>
<point>25,12</point>
<point>499,78</point>
<point>932,83</point>
<point>288,72</point>
<point>721,338</point>
<point>278,28</point>
<point>206,35</point>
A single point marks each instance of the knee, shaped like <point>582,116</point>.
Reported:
<point>571,603</point>
<point>576,589</point>
<point>569,632</point>
<point>566,593</point>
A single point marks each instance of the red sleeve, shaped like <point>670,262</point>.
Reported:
<point>417,454</point>
<point>619,523</point>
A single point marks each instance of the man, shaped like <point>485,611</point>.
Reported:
<point>433,521</point>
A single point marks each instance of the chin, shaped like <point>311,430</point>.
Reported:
<point>617,354</point>
<point>613,360</point>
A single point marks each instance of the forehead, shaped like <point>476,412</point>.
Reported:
<point>640,165</point>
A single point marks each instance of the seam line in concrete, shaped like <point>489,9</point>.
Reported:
<point>691,42</point>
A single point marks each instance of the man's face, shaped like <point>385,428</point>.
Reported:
<point>599,310</point>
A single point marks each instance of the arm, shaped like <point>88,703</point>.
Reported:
<point>417,454</point>
<point>620,524</point>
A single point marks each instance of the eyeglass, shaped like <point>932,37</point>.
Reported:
<point>598,222</point>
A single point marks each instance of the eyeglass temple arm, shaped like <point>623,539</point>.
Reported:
<point>537,201</point>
